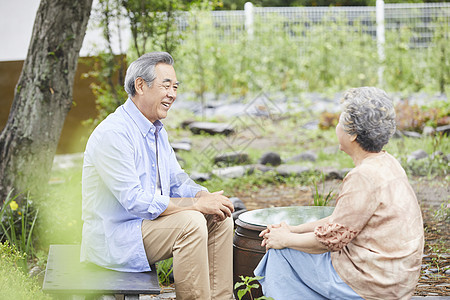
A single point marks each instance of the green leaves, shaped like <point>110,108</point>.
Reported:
<point>246,283</point>
<point>164,269</point>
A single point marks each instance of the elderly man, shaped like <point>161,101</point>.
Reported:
<point>139,206</point>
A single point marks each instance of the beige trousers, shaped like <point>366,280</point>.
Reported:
<point>202,253</point>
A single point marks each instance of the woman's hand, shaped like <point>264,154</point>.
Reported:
<point>275,236</point>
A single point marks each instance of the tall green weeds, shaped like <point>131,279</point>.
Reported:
<point>17,224</point>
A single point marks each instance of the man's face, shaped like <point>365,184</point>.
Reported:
<point>155,101</point>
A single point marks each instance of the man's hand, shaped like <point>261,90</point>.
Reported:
<point>215,204</point>
<point>275,236</point>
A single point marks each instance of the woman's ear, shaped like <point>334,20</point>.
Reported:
<point>139,86</point>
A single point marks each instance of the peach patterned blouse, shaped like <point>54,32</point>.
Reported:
<point>376,231</point>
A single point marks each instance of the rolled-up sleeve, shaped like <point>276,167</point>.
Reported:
<point>334,236</point>
<point>355,205</point>
<point>113,158</point>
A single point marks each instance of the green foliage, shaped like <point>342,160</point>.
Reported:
<point>410,69</point>
<point>17,224</point>
<point>247,285</point>
<point>320,199</point>
<point>60,209</point>
<point>439,56</point>
<point>164,269</point>
<point>108,71</point>
<point>14,283</point>
<point>153,24</point>
<point>153,28</point>
<point>443,213</point>
<point>294,57</point>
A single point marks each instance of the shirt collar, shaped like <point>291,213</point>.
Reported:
<point>144,125</point>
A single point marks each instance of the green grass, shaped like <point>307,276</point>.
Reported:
<point>14,283</point>
<point>60,209</point>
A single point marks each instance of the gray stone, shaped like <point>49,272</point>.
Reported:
<point>200,177</point>
<point>288,170</point>
<point>305,156</point>
<point>447,272</point>
<point>35,271</point>
<point>428,130</point>
<point>270,158</point>
<point>333,173</point>
<point>313,125</point>
<point>416,155</point>
<point>331,150</point>
<point>177,146</point>
<point>232,158</point>
<point>444,130</point>
<point>230,172</point>
<point>239,207</point>
<point>438,154</point>
<point>211,128</point>
<point>259,167</point>
<point>185,124</point>
<point>412,134</point>
<point>230,110</point>
<point>397,135</point>
<point>238,204</point>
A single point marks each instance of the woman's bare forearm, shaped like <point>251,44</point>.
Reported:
<point>306,242</point>
<point>309,227</point>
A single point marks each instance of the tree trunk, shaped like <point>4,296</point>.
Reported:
<point>43,96</point>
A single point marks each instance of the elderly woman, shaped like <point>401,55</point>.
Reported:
<point>371,246</point>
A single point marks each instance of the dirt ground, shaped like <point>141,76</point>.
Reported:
<point>430,193</point>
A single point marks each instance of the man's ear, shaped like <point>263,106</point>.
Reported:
<point>353,137</point>
<point>139,86</point>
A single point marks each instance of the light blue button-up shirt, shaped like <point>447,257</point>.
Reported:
<point>119,187</point>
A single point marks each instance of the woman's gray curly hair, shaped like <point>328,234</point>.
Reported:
<point>369,114</point>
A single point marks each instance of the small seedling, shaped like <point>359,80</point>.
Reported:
<point>246,282</point>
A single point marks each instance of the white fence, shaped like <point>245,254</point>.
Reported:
<point>421,19</point>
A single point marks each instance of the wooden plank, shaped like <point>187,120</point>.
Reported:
<point>66,275</point>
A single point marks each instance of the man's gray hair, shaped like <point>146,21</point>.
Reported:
<point>368,113</point>
<point>144,67</point>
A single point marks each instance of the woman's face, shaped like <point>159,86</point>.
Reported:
<point>345,140</point>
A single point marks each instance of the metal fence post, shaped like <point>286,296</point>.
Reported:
<point>380,39</point>
<point>248,8</point>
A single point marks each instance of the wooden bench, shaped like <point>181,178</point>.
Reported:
<point>66,277</point>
